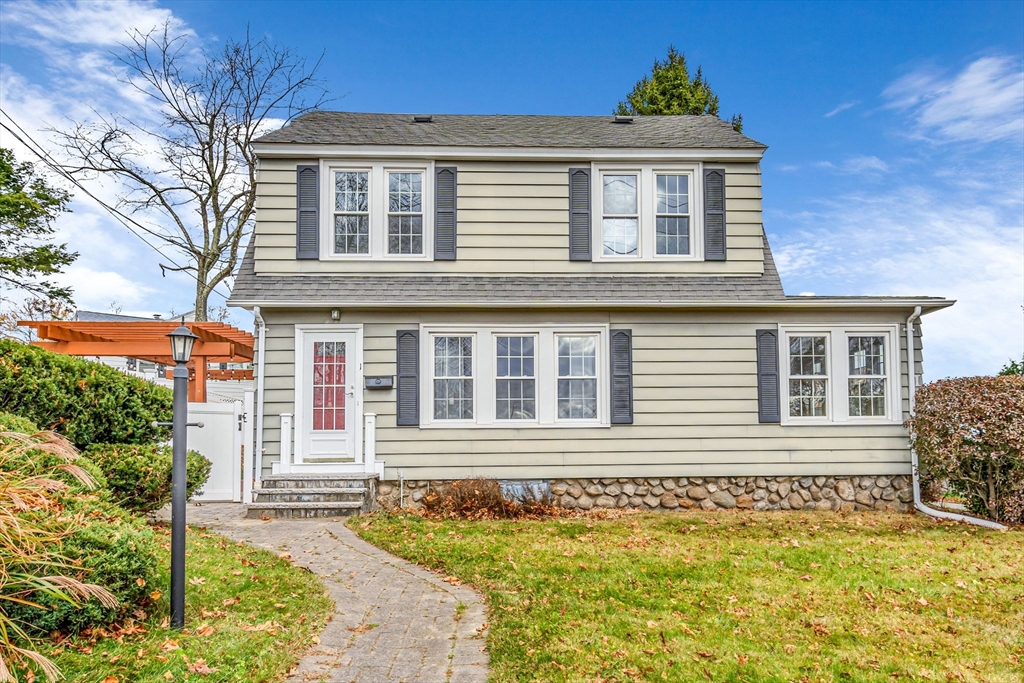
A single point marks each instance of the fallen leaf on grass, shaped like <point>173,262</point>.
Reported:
<point>155,595</point>
<point>111,679</point>
<point>140,582</point>
<point>196,581</point>
<point>169,645</point>
<point>215,614</point>
<point>227,602</point>
<point>204,630</point>
<point>200,667</point>
<point>169,676</point>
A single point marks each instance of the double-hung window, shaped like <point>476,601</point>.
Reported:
<point>837,374</point>
<point>542,375</point>
<point>621,215</point>
<point>648,212</point>
<point>515,388</point>
<point>377,210</point>
<point>577,377</point>
<point>453,377</point>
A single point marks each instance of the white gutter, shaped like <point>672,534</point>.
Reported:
<point>261,327</point>
<point>918,503</point>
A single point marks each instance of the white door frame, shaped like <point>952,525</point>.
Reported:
<point>355,365</point>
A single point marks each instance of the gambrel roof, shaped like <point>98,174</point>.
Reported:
<point>572,132</point>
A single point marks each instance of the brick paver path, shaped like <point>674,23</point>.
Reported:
<point>393,621</point>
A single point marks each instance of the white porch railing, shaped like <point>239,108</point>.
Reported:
<point>286,444</point>
<point>370,463</point>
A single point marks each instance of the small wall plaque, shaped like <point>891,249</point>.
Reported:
<point>380,382</point>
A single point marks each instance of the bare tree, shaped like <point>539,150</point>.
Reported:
<point>192,164</point>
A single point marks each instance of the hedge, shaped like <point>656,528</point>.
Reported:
<point>138,476</point>
<point>84,401</point>
<point>969,433</point>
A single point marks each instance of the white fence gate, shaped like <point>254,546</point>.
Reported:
<point>220,440</point>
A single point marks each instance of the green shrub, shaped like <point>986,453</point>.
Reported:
<point>84,401</point>
<point>12,423</point>
<point>138,476</point>
<point>969,433</point>
<point>109,549</point>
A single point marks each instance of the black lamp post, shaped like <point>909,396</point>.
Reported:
<point>182,340</point>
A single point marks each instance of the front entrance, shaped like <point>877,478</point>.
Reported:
<point>328,397</point>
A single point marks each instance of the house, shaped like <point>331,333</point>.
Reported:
<point>588,302</point>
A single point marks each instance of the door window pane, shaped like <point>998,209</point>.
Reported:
<point>577,377</point>
<point>808,376</point>
<point>453,378</point>
<point>866,384</point>
<point>515,386</point>
<point>329,386</point>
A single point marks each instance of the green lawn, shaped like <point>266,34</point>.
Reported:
<point>249,616</point>
<point>733,597</point>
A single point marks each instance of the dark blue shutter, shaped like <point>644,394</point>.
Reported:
<point>307,215</point>
<point>622,376</point>
<point>714,214</point>
<point>768,409</point>
<point>408,378</point>
<point>579,214</point>
<point>445,183</point>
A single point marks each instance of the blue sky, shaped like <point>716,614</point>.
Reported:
<point>895,130</point>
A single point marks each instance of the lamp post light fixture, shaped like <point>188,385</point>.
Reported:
<point>182,341</point>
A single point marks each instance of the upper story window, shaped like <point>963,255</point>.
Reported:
<point>647,212</point>
<point>376,210</point>
<point>840,375</point>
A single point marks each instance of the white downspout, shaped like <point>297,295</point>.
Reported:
<point>261,331</point>
<point>918,503</point>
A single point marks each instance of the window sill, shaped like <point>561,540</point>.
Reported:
<point>513,425</point>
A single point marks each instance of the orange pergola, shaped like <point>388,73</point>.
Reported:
<point>217,343</point>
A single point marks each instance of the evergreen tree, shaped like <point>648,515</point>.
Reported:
<point>669,91</point>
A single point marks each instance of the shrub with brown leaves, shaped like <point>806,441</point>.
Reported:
<point>969,432</point>
<point>483,499</point>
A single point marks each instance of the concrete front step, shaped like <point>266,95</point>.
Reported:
<point>316,481</point>
<point>303,510</point>
<point>311,495</point>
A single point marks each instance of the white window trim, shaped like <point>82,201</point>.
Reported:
<point>838,405</point>
<point>647,190</point>
<point>378,205</point>
<point>485,379</point>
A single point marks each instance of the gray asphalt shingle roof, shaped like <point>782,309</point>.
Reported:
<point>335,290</point>
<point>350,128</point>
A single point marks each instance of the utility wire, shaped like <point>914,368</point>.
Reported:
<point>127,221</point>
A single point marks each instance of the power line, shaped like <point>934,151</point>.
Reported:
<point>125,220</point>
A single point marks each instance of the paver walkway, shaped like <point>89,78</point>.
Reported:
<point>393,621</point>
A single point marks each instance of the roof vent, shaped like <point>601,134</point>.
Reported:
<point>622,119</point>
<point>422,119</point>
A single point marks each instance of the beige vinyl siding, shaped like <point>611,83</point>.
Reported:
<point>695,405</point>
<point>513,218</point>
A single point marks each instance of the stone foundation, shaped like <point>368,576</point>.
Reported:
<point>847,494</point>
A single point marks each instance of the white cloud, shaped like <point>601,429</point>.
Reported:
<point>918,241</point>
<point>96,289</point>
<point>841,108</point>
<point>100,23</point>
<point>858,164</point>
<point>982,103</point>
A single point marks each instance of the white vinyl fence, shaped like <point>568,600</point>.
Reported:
<point>227,428</point>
